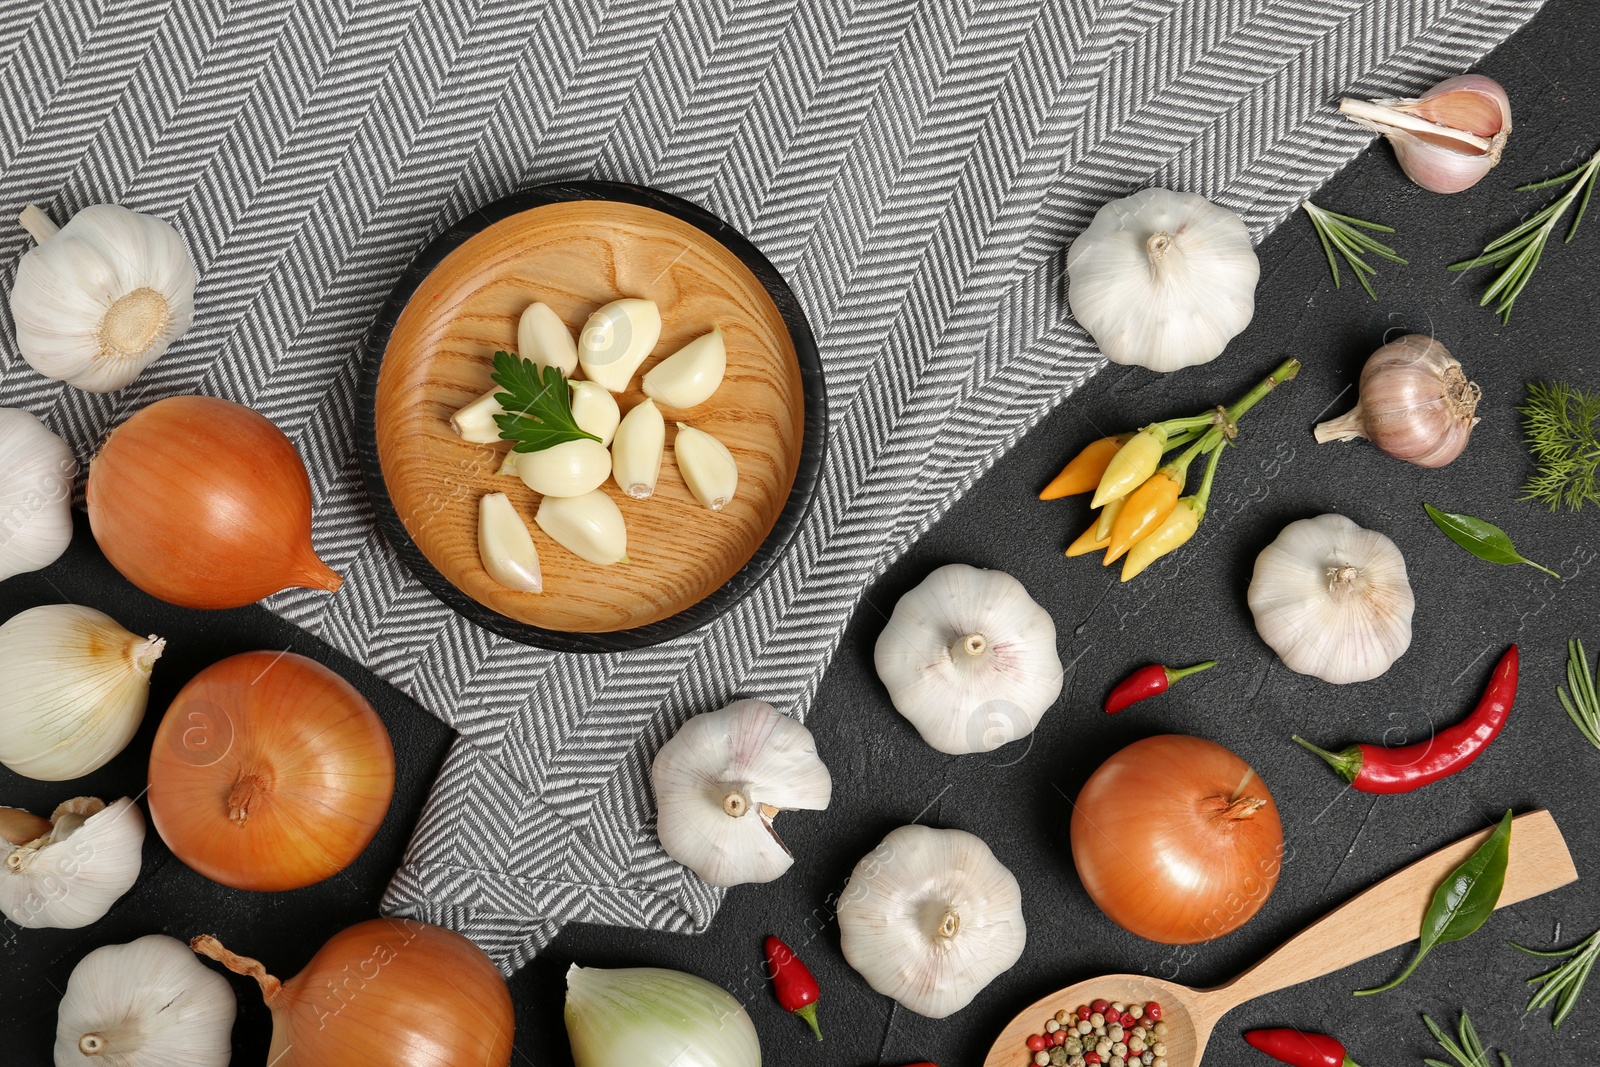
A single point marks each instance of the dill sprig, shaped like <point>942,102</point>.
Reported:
<point>1561,424</point>
<point>1466,1049</point>
<point>1563,985</point>
<point>1519,249</point>
<point>1343,232</point>
<point>1582,704</point>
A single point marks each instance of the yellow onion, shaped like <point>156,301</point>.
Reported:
<point>654,1017</point>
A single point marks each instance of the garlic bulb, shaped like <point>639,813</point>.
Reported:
<point>571,468</point>
<point>616,339</point>
<point>720,782</point>
<point>1448,138</point>
<point>69,877</point>
<point>595,410</point>
<point>73,686</point>
<point>708,468</point>
<point>691,374</point>
<point>1332,599</point>
<point>36,471</point>
<point>970,659</point>
<point>505,547</point>
<point>1162,280</point>
<point>636,452</point>
<point>475,423</point>
<point>589,526</point>
<point>545,339</point>
<point>100,299</point>
<point>149,1003</point>
<point>1414,402</point>
<point>930,918</point>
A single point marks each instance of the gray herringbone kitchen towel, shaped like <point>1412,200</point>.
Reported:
<point>913,168</point>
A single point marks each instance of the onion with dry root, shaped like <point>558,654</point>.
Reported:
<point>1415,403</point>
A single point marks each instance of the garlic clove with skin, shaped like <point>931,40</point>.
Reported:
<point>589,526</point>
<point>616,339</point>
<point>720,782</point>
<point>1447,139</point>
<point>1414,402</point>
<point>505,547</point>
<point>71,876</point>
<point>571,468</point>
<point>545,339</point>
<point>36,474</point>
<point>708,468</point>
<point>637,450</point>
<point>691,374</point>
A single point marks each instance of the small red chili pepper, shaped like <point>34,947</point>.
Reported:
<point>1375,769</point>
<point>794,984</point>
<point>1147,682</point>
<point>1300,1049</point>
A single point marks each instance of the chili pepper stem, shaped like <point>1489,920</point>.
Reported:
<point>1184,672</point>
<point>1284,372</point>
<point>809,1014</point>
<point>1346,763</point>
<point>1204,495</point>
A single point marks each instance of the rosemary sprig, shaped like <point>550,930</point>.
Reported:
<point>1561,425</point>
<point>1343,232</point>
<point>1583,705</point>
<point>1518,250</point>
<point>1467,1050</point>
<point>1563,985</point>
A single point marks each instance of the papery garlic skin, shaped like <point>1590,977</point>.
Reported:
<point>691,374</point>
<point>1332,599</point>
<point>930,917</point>
<point>73,686</point>
<point>708,468</point>
<point>1163,280</point>
<point>149,1003</point>
<point>595,410</point>
<point>655,1017</point>
<point>589,526</point>
<point>1414,402</point>
<point>36,472</point>
<point>616,339</point>
<point>970,659</point>
<point>543,338</point>
<point>72,876</point>
<point>571,468</point>
<point>636,452</point>
<point>722,779</point>
<point>505,547</point>
<point>1448,138</point>
<point>101,298</point>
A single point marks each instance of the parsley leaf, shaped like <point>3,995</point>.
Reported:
<point>538,405</point>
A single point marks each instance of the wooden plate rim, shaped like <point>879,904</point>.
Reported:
<point>813,443</point>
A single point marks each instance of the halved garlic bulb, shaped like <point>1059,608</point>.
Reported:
<point>616,339</point>
<point>474,422</point>
<point>571,468</point>
<point>708,468</point>
<point>691,374</point>
<point>589,526</point>
<point>1448,138</point>
<point>636,452</point>
<point>595,410</point>
<point>930,918</point>
<point>505,546</point>
<point>720,782</point>
<point>1332,599</point>
<point>545,339</point>
<point>71,876</point>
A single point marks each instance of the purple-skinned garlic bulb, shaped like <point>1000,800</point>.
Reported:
<point>1415,404</point>
<point>1448,138</point>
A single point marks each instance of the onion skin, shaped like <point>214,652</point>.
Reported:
<point>385,993</point>
<point>1169,811</point>
<point>269,772</point>
<point>204,503</point>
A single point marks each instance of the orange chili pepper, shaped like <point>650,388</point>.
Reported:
<point>1083,473</point>
<point>1147,508</point>
<point>1098,535</point>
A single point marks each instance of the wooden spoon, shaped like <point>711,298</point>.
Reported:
<point>1387,915</point>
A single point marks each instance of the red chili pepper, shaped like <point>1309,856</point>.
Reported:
<point>1300,1049</point>
<point>794,984</point>
<point>1375,769</point>
<point>1147,682</point>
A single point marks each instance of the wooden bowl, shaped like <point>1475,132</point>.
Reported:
<point>577,246</point>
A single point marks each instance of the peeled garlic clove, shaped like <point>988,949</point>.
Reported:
<point>636,453</point>
<point>720,782</point>
<point>595,410</point>
<point>506,547</point>
<point>71,877</point>
<point>691,374</point>
<point>571,468</point>
<point>616,339</point>
<point>708,468</point>
<point>589,526</point>
<point>508,466</point>
<point>1447,139</point>
<point>1415,404</point>
<point>36,472</point>
<point>475,422</point>
<point>545,339</point>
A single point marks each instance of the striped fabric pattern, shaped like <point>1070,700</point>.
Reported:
<point>915,168</point>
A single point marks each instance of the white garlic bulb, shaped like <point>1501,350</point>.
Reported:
<point>505,547</point>
<point>571,468</point>
<point>1415,403</point>
<point>637,450</point>
<point>36,472</point>
<point>1448,138</point>
<point>1332,599</point>
<point>970,659</point>
<point>616,339</point>
<point>73,686</point>
<point>720,782</point>
<point>149,1003</point>
<point>475,423</point>
<point>708,468</point>
<point>691,374</point>
<point>543,338</point>
<point>930,918</point>
<point>1163,280</point>
<point>70,877</point>
<point>101,298</point>
<point>595,410</point>
<point>589,526</point>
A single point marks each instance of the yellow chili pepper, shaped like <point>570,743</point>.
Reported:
<point>1134,462</point>
<point>1098,535</point>
<point>1146,508</point>
<point>1168,537</point>
<point>1085,470</point>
